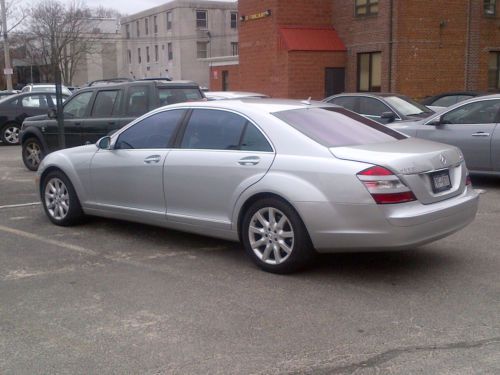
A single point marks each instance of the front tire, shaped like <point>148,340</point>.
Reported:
<point>32,153</point>
<point>275,237</point>
<point>59,199</point>
<point>10,134</point>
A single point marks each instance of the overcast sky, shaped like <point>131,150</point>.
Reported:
<point>129,7</point>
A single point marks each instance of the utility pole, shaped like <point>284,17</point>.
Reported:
<point>6,49</point>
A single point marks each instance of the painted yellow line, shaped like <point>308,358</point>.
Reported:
<point>32,236</point>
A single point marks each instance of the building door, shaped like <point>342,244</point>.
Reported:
<point>225,80</point>
<point>334,81</point>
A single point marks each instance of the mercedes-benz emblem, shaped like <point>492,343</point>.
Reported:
<point>443,159</point>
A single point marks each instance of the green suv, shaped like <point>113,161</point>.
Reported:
<point>94,112</point>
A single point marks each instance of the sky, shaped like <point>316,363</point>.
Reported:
<point>128,6</point>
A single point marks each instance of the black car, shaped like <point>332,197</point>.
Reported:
<point>447,99</point>
<point>15,108</point>
<point>381,107</point>
<point>96,111</point>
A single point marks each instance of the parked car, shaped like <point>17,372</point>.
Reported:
<point>220,95</point>
<point>471,125</point>
<point>287,178</point>
<point>95,111</point>
<point>45,87</point>
<point>15,108</point>
<point>447,99</point>
<point>381,107</point>
<point>5,93</point>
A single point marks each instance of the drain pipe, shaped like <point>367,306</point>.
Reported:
<point>391,41</point>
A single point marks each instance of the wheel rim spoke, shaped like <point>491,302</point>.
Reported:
<point>57,199</point>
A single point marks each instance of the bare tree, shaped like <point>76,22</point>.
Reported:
<point>62,35</point>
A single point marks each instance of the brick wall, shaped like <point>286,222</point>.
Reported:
<point>233,75</point>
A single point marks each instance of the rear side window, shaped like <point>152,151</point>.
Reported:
<point>348,102</point>
<point>35,101</point>
<point>155,131</point>
<point>105,103</point>
<point>137,101</point>
<point>445,101</point>
<point>337,127</point>
<point>254,140</point>
<point>177,95</point>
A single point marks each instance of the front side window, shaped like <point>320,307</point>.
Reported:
<point>213,130</point>
<point>105,103</point>
<point>369,72</point>
<point>177,95</point>
<point>77,106</point>
<point>35,101</point>
<point>349,102</point>
<point>489,7</point>
<point>366,8</point>
<point>337,127</point>
<point>234,20</point>
<point>202,50</point>
<point>445,101</point>
<point>494,71</point>
<point>137,101</point>
<point>155,131</point>
<point>201,19</point>
<point>482,112</point>
<point>372,107</point>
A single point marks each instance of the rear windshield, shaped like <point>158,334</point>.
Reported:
<point>174,95</point>
<point>337,127</point>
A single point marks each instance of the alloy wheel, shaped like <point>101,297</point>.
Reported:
<point>11,134</point>
<point>57,198</point>
<point>33,154</point>
<point>271,235</point>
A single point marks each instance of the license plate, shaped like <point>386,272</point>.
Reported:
<point>440,181</point>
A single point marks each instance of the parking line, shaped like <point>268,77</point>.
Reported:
<point>48,241</point>
<point>20,205</point>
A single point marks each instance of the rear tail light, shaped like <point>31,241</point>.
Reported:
<point>384,186</point>
<point>468,180</point>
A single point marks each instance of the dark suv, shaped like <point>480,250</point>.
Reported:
<point>94,112</point>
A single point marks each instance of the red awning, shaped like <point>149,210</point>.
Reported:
<point>311,39</point>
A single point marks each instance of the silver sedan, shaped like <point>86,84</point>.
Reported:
<point>471,125</point>
<point>286,178</point>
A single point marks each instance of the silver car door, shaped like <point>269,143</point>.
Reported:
<point>220,155</point>
<point>469,127</point>
<point>128,178</point>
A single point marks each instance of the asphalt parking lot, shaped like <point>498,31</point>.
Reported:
<point>110,297</point>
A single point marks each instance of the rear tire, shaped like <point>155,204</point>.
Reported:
<point>275,237</point>
<point>10,134</point>
<point>32,153</point>
<point>59,199</point>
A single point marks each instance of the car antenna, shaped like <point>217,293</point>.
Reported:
<point>308,101</point>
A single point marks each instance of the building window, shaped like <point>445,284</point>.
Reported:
<point>494,71</point>
<point>369,71</point>
<point>138,29</point>
<point>201,19</point>
<point>490,8</point>
<point>234,20</point>
<point>366,7</point>
<point>201,50</point>
<point>170,52</point>
<point>234,48</point>
<point>156,53</point>
<point>169,20</point>
<point>155,24</point>
<point>127,31</point>
<point>129,54</point>
<point>146,26</point>
<point>139,59</point>
<point>147,54</point>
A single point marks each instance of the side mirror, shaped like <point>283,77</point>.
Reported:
<point>389,116</point>
<point>436,122</point>
<point>52,113</point>
<point>104,143</point>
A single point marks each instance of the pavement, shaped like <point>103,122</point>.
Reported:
<point>110,297</point>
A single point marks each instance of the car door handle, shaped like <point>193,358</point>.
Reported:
<point>249,160</point>
<point>152,159</point>
<point>78,123</point>
<point>111,123</point>
<point>480,134</point>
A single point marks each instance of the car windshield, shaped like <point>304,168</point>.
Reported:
<point>406,106</point>
<point>337,127</point>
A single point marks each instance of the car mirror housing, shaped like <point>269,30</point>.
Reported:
<point>389,116</point>
<point>104,143</point>
<point>52,113</point>
<point>436,122</point>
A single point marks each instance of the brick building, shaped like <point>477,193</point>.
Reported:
<point>297,49</point>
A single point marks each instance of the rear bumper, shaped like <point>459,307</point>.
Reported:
<point>365,227</point>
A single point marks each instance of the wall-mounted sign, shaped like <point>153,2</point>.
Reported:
<point>8,71</point>
<point>257,16</point>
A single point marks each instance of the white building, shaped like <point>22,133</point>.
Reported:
<point>175,39</point>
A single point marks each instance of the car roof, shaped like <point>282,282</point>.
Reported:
<point>159,83</point>
<point>369,94</point>
<point>266,105</point>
